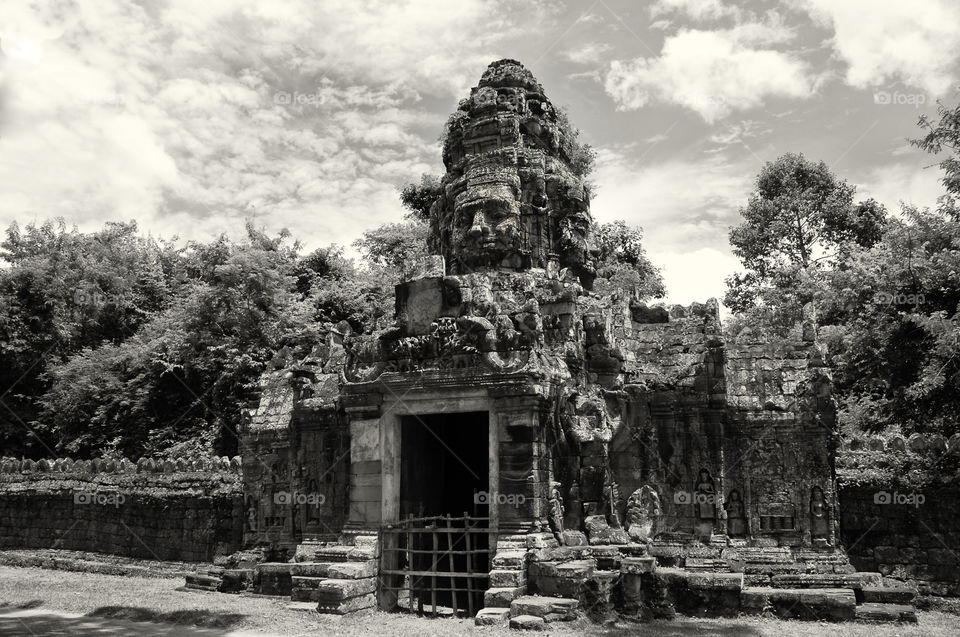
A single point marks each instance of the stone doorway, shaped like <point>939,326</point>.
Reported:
<point>444,468</point>
<point>444,510</point>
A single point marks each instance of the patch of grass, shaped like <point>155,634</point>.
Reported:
<point>111,598</point>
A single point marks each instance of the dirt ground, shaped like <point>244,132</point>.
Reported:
<point>36,601</point>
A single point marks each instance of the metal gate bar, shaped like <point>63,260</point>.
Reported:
<point>402,544</point>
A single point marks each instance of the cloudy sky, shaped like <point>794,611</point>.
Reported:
<point>191,116</point>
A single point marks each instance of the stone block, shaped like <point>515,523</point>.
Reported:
<point>502,597</point>
<point>881,612</point>
<point>885,595</point>
<point>638,565</point>
<point>340,589</point>
<point>345,606</point>
<point>574,538</point>
<point>543,606</point>
<point>492,617</point>
<point>507,578</point>
<point>527,622</point>
<point>352,570</point>
<point>509,559</point>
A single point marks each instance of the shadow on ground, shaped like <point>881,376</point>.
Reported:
<point>668,629</point>
<point>197,618</point>
<point>116,620</point>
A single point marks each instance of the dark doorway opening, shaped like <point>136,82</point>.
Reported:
<point>444,465</point>
<point>444,478</point>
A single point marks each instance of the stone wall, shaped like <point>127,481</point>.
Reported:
<point>183,515</point>
<point>905,534</point>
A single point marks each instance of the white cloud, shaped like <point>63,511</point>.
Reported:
<point>903,182</point>
<point>694,9</point>
<point>712,73</point>
<point>170,114</point>
<point>685,207</point>
<point>916,42</point>
<point>589,53</point>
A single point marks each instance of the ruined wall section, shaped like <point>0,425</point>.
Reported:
<point>671,406</point>
<point>168,511</point>
<point>780,453</point>
<point>296,451</point>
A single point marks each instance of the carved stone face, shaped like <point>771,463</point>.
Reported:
<point>576,245</point>
<point>487,222</point>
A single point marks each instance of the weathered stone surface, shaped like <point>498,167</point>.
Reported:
<point>502,597</point>
<point>507,578</point>
<point>574,538</point>
<point>492,616</point>
<point>886,612</point>
<point>527,622</point>
<point>543,606</point>
<point>345,606</point>
<point>600,532</point>
<point>886,595</point>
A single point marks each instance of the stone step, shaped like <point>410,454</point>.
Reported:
<point>510,559</point>
<point>236,580</point>
<point>527,622</point>
<point>272,578</point>
<point>889,595</point>
<point>816,580</point>
<point>342,554</point>
<point>347,605</point>
<point>711,565</point>
<point>826,604</point>
<point>502,597</point>
<point>500,578</point>
<point>549,608</point>
<point>881,612</point>
<point>335,570</point>
<point>333,590</point>
<point>202,582</point>
<point>492,617</point>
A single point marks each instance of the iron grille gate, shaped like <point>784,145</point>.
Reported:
<point>442,562</point>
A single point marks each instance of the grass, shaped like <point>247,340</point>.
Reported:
<point>108,604</point>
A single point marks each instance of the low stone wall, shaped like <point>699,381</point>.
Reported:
<point>180,515</point>
<point>904,533</point>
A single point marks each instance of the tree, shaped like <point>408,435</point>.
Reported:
<point>800,216</point>
<point>418,198</point>
<point>622,262</point>
<point>64,291</point>
<point>944,135</point>
<point>394,245</point>
<point>891,320</point>
<point>185,374</point>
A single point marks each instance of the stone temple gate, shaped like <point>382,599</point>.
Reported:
<point>586,434</point>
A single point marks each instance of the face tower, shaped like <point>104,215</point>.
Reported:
<point>513,196</point>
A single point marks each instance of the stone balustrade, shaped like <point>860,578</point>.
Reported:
<point>917,443</point>
<point>214,464</point>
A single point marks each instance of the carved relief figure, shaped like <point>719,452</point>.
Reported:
<point>706,496</point>
<point>251,514</point>
<point>643,514</point>
<point>556,510</point>
<point>819,524</point>
<point>736,515</point>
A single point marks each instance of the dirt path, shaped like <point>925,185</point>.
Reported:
<point>36,601</point>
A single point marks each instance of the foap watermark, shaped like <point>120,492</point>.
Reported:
<point>296,98</point>
<point>286,498</point>
<point>513,499</point>
<point>687,497</point>
<point>907,499</point>
<point>886,298</point>
<point>896,98</point>
<point>96,298</point>
<point>99,498</point>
